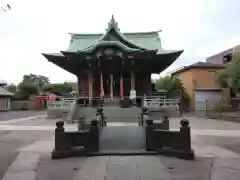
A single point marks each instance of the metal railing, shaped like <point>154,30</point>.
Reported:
<point>154,102</point>
<point>58,105</point>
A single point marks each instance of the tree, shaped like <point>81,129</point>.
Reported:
<point>59,89</point>
<point>11,88</point>
<point>38,80</point>
<point>230,76</point>
<point>173,86</point>
<point>31,85</point>
<point>25,90</point>
<point>168,83</point>
<point>164,83</point>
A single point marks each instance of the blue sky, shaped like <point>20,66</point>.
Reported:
<point>200,27</point>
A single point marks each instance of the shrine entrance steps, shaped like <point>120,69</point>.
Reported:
<point>112,113</point>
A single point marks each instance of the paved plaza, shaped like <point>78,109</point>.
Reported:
<point>10,115</point>
<point>26,144</point>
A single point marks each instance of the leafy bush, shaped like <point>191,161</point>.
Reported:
<point>222,107</point>
<point>25,90</point>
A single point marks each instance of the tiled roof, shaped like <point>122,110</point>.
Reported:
<point>4,92</point>
<point>139,40</point>
<point>2,82</point>
<point>200,65</point>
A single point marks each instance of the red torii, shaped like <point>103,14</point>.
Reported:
<point>40,98</point>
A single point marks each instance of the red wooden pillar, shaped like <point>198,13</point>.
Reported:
<point>121,86</point>
<point>101,87</point>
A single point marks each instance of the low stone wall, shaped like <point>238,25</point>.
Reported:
<point>23,105</point>
<point>67,144</point>
<point>169,142</point>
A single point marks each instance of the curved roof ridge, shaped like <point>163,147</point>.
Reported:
<point>113,26</point>
<point>124,33</point>
<point>105,43</point>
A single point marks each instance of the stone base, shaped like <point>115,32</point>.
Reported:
<point>164,151</point>
<point>123,153</point>
<point>58,154</point>
<point>177,153</point>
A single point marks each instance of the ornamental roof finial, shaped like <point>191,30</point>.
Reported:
<point>113,24</point>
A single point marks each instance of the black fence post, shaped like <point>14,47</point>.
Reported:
<point>101,114</point>
<point>165,123</point>
<point>93,141</point>
<point>185,135</point>
<point>150,140</point>
<point>60,140</point>
<point>81,123</point>
<point>143,113</point>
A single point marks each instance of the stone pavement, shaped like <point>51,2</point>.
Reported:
<point>212,163</point>
<point>217,151</point>
<point>30,166</point>
<point>121,138</point>
<point>20,115</point>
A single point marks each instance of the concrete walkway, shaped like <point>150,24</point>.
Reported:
<point>20,115</point>
<point>213,162</point>
<point>37,166</point>
<point>119,138</point>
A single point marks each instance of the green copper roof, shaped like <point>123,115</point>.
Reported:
<point>147,40</point>
<point>145,47</point>
<point>107,44</point>
<point>141,41</point>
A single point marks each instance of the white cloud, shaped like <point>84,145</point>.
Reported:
<point>201,27</point>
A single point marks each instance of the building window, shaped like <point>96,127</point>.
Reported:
<point>213,74</point>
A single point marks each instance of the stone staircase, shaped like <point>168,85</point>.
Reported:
<point>112,103</point>
<point>117,114</point>
<point>83,92</point>
<point>112,113</point>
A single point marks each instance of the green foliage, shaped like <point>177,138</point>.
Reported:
<point>31,85</point>
<point>25,90</point>
<point>173,86</point>
<point>11,88</point>
<point>37,80</point>
<point>59,89</point>
<point>36,84</point>
<point>230,76</point>
<point>222,107</point>
<point>164,83</point>
<point>222,78</point>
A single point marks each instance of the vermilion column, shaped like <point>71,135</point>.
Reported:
<point>121,86</point>
<point>101,87</point>
<point>111,86</point>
